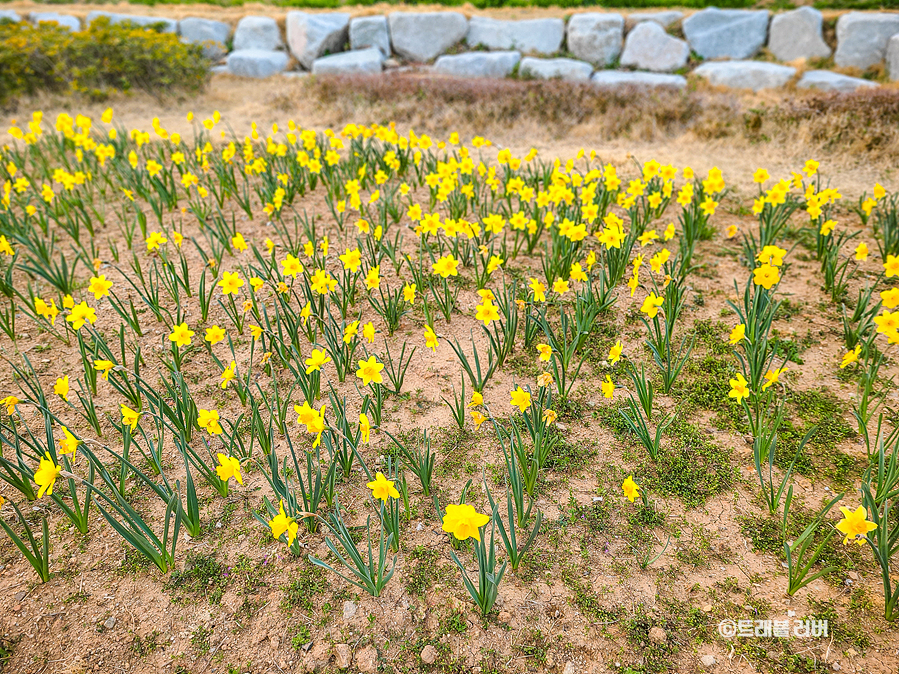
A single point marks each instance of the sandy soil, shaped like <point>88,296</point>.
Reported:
<point>99,614</point>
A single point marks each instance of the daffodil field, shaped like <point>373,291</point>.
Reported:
<point>357,335</point>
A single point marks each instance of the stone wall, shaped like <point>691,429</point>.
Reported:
<point>609,49</point>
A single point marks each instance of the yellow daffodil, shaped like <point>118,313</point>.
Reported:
<point>99,286</point>
<point>368,332</point>
<point>181,335</point>
<point>239,243</point>
<point>228,467</point>
<point>409,293</point>
<point>446,266</point>
<point>364,427</point>
<point>291,266</point>
<point>214,335</point>
<point>651,305</point>
<point>631,489</point>
<point>766,276</point>
<point>228,374</point>
<point>61,387</point>
<point>155,240</point>
<point>209,420</point>
<point>521,399</point>
<point>315,361</point>
<point>538,289</point>
<point>104,367</point>
<point>615,352</point>
<point>772,255</point>
<point>46,474</point>
<point>352,260</point>
<point>890,298</point>
<point>373,278</point>
<point>608,387</point>
<point>129,417</point>
<point>10,403</point>
<point>772,377</point>
<point>487,312</point>
<point>48,311</point>
<point>478,419</point>
<point>305,414</point>
<point>739,388</point>
<point>81,314</point>
<point>431,339</point>
<point>463,521</point>
<point>69,443</point>
<point>891,266</point>
<point>851,357</point>
<point>855,525</point>
<point>281,524</point>
<point>231,283</point>
<point>738,334</point>
<point>382,488</point>
<point>887,322</point>
<point>370,371</point>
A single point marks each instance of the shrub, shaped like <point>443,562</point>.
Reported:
<point>96,61</point>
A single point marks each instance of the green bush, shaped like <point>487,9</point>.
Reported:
<point>857,4</point>
<point>96,61</point>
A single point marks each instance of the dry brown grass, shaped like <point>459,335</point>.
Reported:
<point>435,103</point>
<point>864,123</point>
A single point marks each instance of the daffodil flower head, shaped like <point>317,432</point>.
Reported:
<point>766,275</point>
<point>315,361</point>
<point>370,371</point>
<point>615,352</point>
<point>69,443</point>
<point>46,474</point>
<point>631,489</point>
<point>129,417</point>
<point>228,467</point>
<point>463,521</point>
<point>851,357</point>
<point>181,335</point>
<point>855,525</point>
<point>10,403</point>
<point>364,427</point>
<point>431,341</point>
<point>209,420</point>
<point>651,304</point>
<point>281,524</point>
<point>382,488</point>
<point>608,387</point>
<point>478,418</point>
<point>739,388</point>
<point>520,399</point>
<point>61,387</point>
